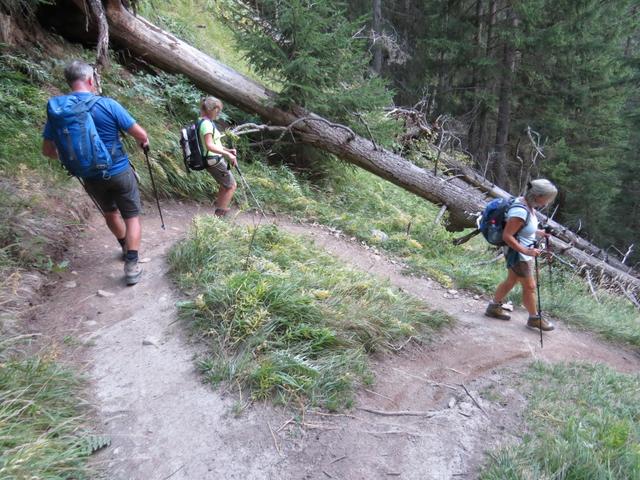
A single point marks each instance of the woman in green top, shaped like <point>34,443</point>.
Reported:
<point>215,153</point>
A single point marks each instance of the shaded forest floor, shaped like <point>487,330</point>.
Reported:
<point>165,422</point>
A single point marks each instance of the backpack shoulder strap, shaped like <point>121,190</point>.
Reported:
<point>516,204</point>
<point>198,125</point>
<point>91,101</point>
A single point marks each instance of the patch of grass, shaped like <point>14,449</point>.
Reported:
<point>582,422</point>
<point>197,22</point>
<point>610,316</point>
<point>358,203</point>
<point>285,319</point>
<point>41,425</point>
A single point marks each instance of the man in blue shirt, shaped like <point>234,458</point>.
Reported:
<point>116,191</point>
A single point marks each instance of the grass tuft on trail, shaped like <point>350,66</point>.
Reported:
<point>359,203</point>
<point>583,424</point>
<point>41,426</point>
<point>285,319</point>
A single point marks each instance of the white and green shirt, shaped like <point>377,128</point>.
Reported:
<point>206,127</point>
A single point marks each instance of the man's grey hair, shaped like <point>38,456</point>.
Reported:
<point>540,188</point>
<point>77,70</point>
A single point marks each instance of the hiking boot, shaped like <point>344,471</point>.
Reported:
<point>496,310</point>
<point>221,212</point>
<point>132,272</point>
<point>539,323</point>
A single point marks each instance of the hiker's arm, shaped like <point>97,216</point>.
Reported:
<point>49,149</point>
<point>512,227</point>
<point>137,132</point>
<point>208,140</point>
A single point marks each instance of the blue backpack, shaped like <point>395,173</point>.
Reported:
<point>80,148</point>
<point>492,221</point>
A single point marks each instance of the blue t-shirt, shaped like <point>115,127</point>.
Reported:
<point>527,234</point>
<point>109,117</point>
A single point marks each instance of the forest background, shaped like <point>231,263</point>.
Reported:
<point>526,88</point>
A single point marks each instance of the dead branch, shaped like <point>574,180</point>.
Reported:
<point>591,287</point>
<point>474,400</point>
<point>488,262</point>
<point>631,297</point>
<point>441,213</point>
<point>366,125</point>
<point>400,413</point>
<point>626,255</point>
<point>248,128</point>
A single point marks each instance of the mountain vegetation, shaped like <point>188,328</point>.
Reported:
<point>516,89</point>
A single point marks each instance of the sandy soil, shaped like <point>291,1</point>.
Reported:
<point>165,423</point>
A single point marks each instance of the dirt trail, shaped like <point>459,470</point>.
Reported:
<point>165,423</point>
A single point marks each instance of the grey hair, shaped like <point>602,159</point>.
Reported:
<point>209,104</point>
<point>540,188</point>
<point>77,70</point>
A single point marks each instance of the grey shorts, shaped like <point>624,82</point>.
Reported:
<point>118,193</point>
<point>220,171</point>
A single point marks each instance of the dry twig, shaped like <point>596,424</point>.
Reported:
<point>400,413</point>
<point>474,400</point>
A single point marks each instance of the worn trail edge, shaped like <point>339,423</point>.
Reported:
<point>166,423</point>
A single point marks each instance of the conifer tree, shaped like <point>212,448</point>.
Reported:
<point>316,54</point>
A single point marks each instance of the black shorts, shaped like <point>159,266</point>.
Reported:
<point>118,193</point>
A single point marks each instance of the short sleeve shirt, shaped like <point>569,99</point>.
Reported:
<point>208,127</point>
<point>527,234</point>
<point>110,118</point>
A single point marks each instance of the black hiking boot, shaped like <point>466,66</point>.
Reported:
<point>496,310</point>
<point>132,272</point>
<point>539,323</point>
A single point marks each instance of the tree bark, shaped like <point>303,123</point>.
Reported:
<point>504,107</point>
<point>377,34</point>
<point>171,54</point>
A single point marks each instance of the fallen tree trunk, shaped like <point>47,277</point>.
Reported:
<point>162,49</point>
<point>572,240</point>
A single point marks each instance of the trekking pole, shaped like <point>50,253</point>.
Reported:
<point>246,186</point>
<point>145,149</point>
<point>547,230</point>
<point>535,245</point>
<point>95,202</point>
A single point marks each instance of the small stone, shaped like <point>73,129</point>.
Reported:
<point>91,323</point>
<point>144,260</point>
<point>150,341</point>
<point>476,297</point>
<point>452,292</point>
<point>379,235</point>
<point>446,295</point>
<point>73,272</point>
<point>452,402</point>
<point>104,293</point>
<point>70,284</point>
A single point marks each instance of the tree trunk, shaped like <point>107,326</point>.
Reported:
<point>377,36</point>
<point>169,53</point>
<point>499,168</point>
<point>480,138</point>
